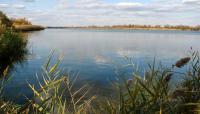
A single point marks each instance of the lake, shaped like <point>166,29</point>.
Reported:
<point>98,55</point>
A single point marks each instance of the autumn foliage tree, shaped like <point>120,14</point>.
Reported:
<point>20,21</point>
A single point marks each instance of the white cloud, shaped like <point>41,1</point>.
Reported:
<point>29,0</point>
<point>15,6</point>
<point>18,6</point>
<point>87,1</point>
<point>159,6</point>
<point>194,2</point>
<point>129,5</point>
<point>4,5</point>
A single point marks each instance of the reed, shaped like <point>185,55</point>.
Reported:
<point>57,95</point>
<point>156,94</point>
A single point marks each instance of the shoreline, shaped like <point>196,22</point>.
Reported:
<point>28,28</point>
<point>120,28</point>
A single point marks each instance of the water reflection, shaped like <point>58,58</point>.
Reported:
<point>94,53</point>
<point>83,45</point>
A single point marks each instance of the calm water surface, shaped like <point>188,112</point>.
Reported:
<point>98,54</point>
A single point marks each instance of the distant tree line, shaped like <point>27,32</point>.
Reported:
<point>132,26</point>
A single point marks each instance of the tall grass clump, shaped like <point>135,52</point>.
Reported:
<point>12,48</point>
<point>6,106</point>
<point>148,94</point>
<point>187,92</point>
<point>157,93</point>
<point>57,95</point>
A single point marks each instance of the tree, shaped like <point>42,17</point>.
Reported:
<point>4,20</point>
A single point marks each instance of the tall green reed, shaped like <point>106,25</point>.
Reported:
<point>57,94</point>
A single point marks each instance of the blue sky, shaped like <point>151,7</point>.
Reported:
<point>104,12</point>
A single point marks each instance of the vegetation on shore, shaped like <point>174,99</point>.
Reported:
<point>147,27</point>
<point>136,27</point>
<point>20,24</point>
<point>27,28</point>
<point>12,48</point>
<point>20,21</point>
<point>4,20</point>
<point>25,25</point>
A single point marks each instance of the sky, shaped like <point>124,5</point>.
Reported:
<point>104,12</point>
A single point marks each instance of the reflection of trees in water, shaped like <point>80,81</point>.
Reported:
<point>13,49</point>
